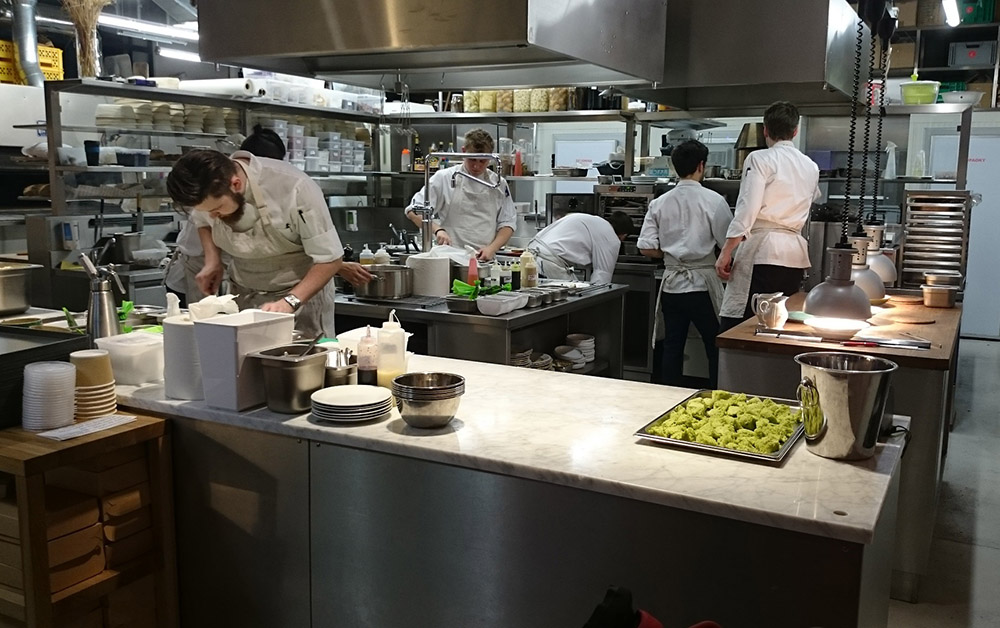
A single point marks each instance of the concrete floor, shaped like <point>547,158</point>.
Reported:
<point>962,588</point>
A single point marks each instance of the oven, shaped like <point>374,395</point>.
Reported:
<point>633,199</point>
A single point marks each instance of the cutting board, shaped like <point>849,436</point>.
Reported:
<point>908,318</point>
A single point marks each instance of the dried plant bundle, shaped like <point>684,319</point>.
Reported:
<point>84,15</point>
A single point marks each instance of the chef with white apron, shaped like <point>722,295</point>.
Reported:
<point>284,247</point>
<point>683,227</point>
<point>479,213</point>
<point>777,190</point>
<point>579,241</point>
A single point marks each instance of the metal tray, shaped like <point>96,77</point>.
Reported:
<point>774,458</point>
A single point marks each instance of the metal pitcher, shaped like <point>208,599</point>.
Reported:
<point>843,397</point>
<point>102,310</point>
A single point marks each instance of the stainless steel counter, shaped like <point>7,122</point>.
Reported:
<point>442,333</point>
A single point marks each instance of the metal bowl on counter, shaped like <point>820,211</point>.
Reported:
<point>390,281</point>
<point>291,378</point>
<point>428,400</point>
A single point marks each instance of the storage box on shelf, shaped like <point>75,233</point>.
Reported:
<point>69,555</point>
<point>49,60</point>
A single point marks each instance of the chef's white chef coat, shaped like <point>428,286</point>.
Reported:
<point>778,188</point>
<point>582,240</point>
<point>686,223</point>
<point>479,203</point>
<point>295,205</point>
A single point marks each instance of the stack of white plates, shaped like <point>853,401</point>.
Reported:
<point>96,401</point>
<point>162,116</point>
<point>351,403</point>
<point>194,118</point>
<point>572,355</point>
<point>232,119</point>
<point>116,116</point>
<point>520,357</point>
<point>214,121</point>
<point>585,343</point>
<point>177,116</point>
<point>47,400</point>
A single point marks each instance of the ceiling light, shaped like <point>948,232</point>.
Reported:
<point>147,28</point>
<point>173,53</point>
<point>951,16</point>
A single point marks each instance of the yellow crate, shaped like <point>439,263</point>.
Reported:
<point>11,73</point>
<point>49,58</point>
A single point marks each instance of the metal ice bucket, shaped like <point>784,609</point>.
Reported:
<point>843,397</point>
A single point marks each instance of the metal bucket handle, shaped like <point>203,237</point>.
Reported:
<point>813,419</point>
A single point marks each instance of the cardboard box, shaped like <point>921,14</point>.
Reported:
<point>118,528</point>
<point>99,483</point>
<point>72,546</point>
<point>903,55</point>
<point>907,13</point>
<point>67,511</point>
<point>129,548</point>
<point>62,575</point>
<point>114,458</point>
<point>75,571</point>
<point>930,13</point>
<point>124,502</point>
<point>132,605</point>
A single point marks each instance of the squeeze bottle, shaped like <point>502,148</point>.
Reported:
<point>473,271</point>
<point>529,270</point>
<point>391,351</point>
<point>366,257</point>
<point>382,256</point>
<point>404,161</point>
<point>368,360</point>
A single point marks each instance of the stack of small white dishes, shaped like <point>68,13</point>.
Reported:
<point>95,384</point>
<point>585,343</point>
<point>520,357</point>
<point>162,116</point>
<point>47,398</point>
<point>571,354</point>
<point>177,116</point>
<point>116,116</point>
<point>215,121</point>
<point>194,118</point>
<point>232,120</point>
<point>351,403</point>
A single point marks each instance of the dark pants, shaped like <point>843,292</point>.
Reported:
<point>766,278</point>
<point>679,312</point>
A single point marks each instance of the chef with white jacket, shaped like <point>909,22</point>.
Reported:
<point>274,222</point>
<point>777,190</point>
<point>469,213</point>
<point>577,241</point>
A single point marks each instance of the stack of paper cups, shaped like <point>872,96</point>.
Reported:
<point>181,365</point>
<point>431,275</point>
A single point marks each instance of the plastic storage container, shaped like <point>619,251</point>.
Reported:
<point>919,92</point>
<point>136,358</point>
<point>229,379</point>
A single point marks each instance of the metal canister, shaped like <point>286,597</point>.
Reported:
<point>843,397</point>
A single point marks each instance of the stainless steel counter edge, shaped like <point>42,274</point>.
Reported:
<point>513,320</point>
<point>576,431</point>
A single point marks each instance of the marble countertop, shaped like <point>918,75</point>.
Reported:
<point>577,431</point>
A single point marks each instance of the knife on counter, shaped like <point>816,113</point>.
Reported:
<point>781,333</point>
<point>887,342</point>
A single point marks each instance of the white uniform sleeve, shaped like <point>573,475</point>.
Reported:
<point>507,217</point>
<point>604,257</point>
<point>750,200</point>
<point>649,235</point>
<point>720,222</point>
<point>312,221</point>
<point>199,219</point>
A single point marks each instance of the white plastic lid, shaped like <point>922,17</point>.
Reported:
<point>392,323</point>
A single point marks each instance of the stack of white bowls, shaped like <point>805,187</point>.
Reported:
<point>95,384</point>
<point>571,354</point>
<point>47,401</point>
<point>585,343</point>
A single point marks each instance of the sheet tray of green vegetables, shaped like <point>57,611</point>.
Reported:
<point>729,424</point>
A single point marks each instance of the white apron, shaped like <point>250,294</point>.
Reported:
<point>706,271</point>
<point>472,214</point>
<point>266,266</point>
<point>734,303</point>
<point>550,264</point>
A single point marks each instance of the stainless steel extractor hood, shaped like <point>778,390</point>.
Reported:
<point>730,56</point>
<point>442,44</point>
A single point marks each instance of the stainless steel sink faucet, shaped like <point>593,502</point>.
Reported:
<point>426,211</point>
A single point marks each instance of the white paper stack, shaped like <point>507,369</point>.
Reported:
<point>181,365</point>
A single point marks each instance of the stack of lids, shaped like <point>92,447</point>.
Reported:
<point>520,357</point>
<point>351,403</point>
<point>585,343</point>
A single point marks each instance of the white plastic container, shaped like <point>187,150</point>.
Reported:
<point>296,130</point>
<point>136,357</point>
<point>229,380</point>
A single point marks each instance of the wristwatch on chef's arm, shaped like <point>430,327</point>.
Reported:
<point>293,301</point>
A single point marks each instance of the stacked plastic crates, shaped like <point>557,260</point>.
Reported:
<point>49,58</point>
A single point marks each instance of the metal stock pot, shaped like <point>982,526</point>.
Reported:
<point>390,282</point>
